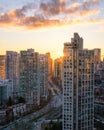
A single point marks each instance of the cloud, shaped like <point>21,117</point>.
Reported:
<point>89,12</point>
<point>1,8</point>
<point>96,21</point>
<point>51,13</point>
<point>53,7</point>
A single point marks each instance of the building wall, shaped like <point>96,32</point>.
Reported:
<point>5,90</point>
<point>49,63</point>
<point>97,59</point>
<point>58,68</point>
<point>2,67</point>
<point>78,83</point>
<point>43,59</point>
<point>12,70</point>
<point>29,76</point>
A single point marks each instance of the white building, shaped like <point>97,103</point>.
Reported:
<point>78,83</point>
<point>19,109</point>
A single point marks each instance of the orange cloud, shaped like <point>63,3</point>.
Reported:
<point>89,12</point>
<point>96,21</point>
<point>50,14</point>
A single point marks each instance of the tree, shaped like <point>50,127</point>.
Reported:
<point>46,128</point>
<point>24,126</point>
<point>21,100</point>
<point>54,126</point>
<point>10,101</point>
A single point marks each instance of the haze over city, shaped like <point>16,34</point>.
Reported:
<point>46,24</point>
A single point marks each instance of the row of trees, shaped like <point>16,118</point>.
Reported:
<point>54,126</point>
<point>23,126</point>
<point>11,102</point>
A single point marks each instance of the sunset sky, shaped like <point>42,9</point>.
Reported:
<point>46,24</point>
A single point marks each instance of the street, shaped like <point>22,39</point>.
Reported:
<point>37,118</point>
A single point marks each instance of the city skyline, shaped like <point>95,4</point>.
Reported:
<point>65,95</point>
<point>45,25</point>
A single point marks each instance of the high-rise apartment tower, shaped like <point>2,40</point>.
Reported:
<point>29,76</point>
<point>78,83</point>
<point>12,70</point>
